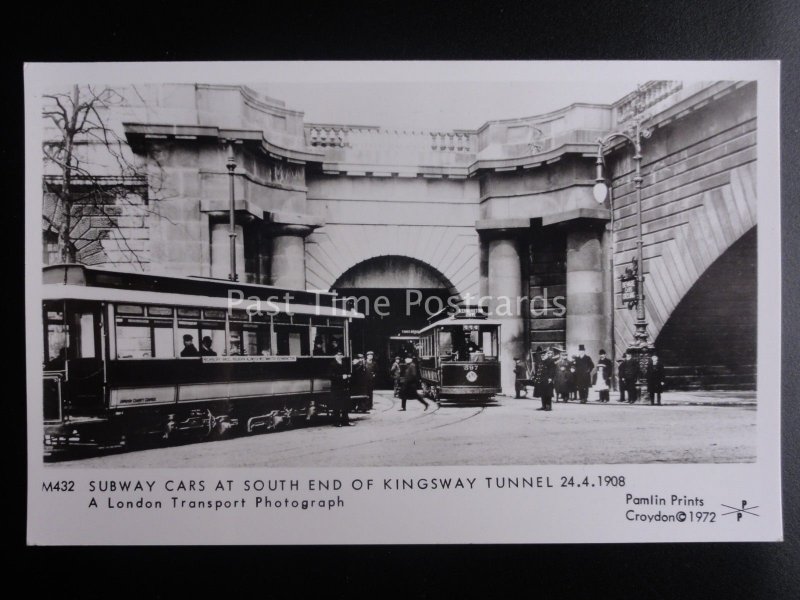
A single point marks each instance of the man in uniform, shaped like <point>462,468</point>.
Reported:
<point>520,377</point>
<point>340,390</point>
<point>583,373</point>
<point>604,376</point>
<point>543,383</point>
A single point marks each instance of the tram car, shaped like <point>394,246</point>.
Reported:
<point>130,354</point>
<point>459,356</point>
<point>404,344</point>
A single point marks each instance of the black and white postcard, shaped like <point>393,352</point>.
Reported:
<point>391,303</point>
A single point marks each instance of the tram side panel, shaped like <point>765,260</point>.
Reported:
<point>152,396</point>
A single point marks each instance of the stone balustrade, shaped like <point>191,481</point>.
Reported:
<point>358,136</point>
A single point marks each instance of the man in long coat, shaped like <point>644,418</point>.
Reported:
<point>543,381</point>
<point>655,379</point>
<point>583,373</point>
<point>628,376</point>
<point>410,387</point>
<point>339,375</point>
<point>563,378</point>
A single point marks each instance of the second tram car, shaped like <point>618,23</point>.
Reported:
<point>459,356</point>
<point>129,354</point>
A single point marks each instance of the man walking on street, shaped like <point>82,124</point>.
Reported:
<point>410,388</point>
<point>583,373</point>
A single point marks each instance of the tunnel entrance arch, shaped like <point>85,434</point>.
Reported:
<point>397,294</point>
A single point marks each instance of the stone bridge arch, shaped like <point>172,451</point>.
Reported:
<point>715,220</point>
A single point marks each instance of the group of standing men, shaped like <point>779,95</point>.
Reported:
<point>556,374</point>
<point>346,384</point>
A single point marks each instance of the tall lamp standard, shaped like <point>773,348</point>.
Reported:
<point>231,166</point>
<point>640,348</point>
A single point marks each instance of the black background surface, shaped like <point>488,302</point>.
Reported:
<point>688,30</point>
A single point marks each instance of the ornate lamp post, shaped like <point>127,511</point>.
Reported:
<point>634,277</point>
<point>231,166</point>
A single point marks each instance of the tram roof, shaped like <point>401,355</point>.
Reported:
<point>79,274</point>
<point>455,321</point>
<point>77,282</point>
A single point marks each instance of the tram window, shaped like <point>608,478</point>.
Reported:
<point>237,315</point>
<point>256,340</point>
<point>55,350</point>
<point>133,339</point>
<point>163,342</point>
<point>249,340</point>
<point>214,313</point>
<point>489,341</point>
<point>292,340</point>
<point>159,311</point>
<point>217,335</point>
<point>192,329</point>
<point>445,342</point>
<point>324,340</point>
<point>85,334</point>
<point>189,313</point>
<point>129,309</point>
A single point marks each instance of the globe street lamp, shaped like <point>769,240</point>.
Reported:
<point>633,280</point>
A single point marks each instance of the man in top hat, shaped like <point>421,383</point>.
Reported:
<point>603,376</point>
<point>583,373</point>
<point>520,377</point>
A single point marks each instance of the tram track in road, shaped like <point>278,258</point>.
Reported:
<point>388,438</point>
<point>285,447</point>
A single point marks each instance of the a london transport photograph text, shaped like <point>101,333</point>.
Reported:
<point>260,275</point>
